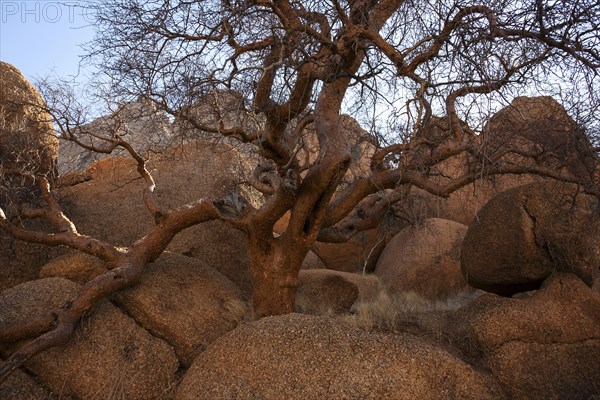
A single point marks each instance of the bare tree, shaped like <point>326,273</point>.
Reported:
<point>294,65</point>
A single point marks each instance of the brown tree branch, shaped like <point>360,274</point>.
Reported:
<point>57,326</point>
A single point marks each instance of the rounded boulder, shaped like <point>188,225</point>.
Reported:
<point>526,233</point>
<point>306,357</point>
<point>424,259</point>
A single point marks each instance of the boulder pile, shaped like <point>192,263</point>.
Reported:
<point>495,281</point>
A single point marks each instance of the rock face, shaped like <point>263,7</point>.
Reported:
<point>180,299</point>
<point>547,343</point>
<point>75,266</point>
<point>312,261</point>
<point>360,142</point>
<point>109,204</point>
<point>21,261</point>
<point>108,356</point>
<point>305,357</point>
<point>526,233</point>
<point>425,260</point>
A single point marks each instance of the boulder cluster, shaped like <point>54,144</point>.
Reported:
<point>492,292</point>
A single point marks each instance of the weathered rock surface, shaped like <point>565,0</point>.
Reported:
<point>28,144</point>
<point>464,204</point>
<point>108,356</point>
<point>184,302</point>
<point>179,299</point>
<point>542,126</point>
<point>306,357</point>
<point>27,138</point>
<point>75,266</point>
<point>425,260</point>
<point>312,261</point>
<point>328,295</point>
<point>109,204</point>
<point>20,386</point>
<point>324,291</point>
<point>528,124</point>
<point>546,345</point>
<point>357,254</point>
<point>526,233</point>
<point>21,261</point>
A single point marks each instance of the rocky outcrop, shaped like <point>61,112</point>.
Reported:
<point>306,357</point>
<point>75,266</point>
<point>525,234</point>
<point>312,261</point>
<point>109,204</point>
<point>21,261</point>
<point>547,343</point>
<point>108,356</point>
<point>360,253</point>
<point>425,260</point>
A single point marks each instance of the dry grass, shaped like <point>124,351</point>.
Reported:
<point>388,311</point>
<point>237,310</point>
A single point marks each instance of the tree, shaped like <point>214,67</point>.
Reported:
<point>295,65</point>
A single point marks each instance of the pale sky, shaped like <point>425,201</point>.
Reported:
<point>43,37</point>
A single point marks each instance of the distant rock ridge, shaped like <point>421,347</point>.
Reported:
<point>140,123</point>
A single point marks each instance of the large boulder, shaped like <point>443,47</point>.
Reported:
<point>425,260</point>
<point>536,125</point>
<point>108,356</point>
<point>525,234</point>
<point>355,255</point>
<point>186,303</point>
<point>546,344</point>
<point>306,357</point>
<point>179,299</point>
<point>28,142</point>
<point>360,142</point>
<point>75,266</point>
<point>312,261</point>
<point>358,254</point>
<point>21,261</point>
<point>324,291</point>
<point>108,204</point>
<point>539,125</point>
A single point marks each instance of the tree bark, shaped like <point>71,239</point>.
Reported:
<point>274,266</point>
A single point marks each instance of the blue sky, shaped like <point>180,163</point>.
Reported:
<point>44,37</point>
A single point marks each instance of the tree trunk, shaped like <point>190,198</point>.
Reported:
<point>274,267</point>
